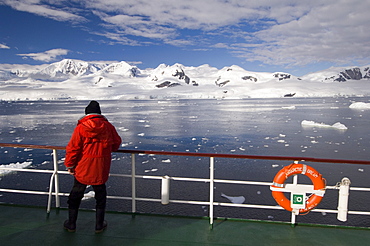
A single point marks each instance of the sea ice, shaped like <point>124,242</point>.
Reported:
<point>288,107</point>
<point>337,125</point>
<point>151,170</point>
<point>234,199</point>
<point>360,105</point>
<point>17,165</point>
<point>88,195</point>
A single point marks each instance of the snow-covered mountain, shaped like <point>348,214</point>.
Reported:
<point>80,80</point>
<point>340,74</point>
<point>62,70</point>
<point>121,68</point>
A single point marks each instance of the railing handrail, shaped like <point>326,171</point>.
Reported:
<point>55,183</point>
<point>236,156</point>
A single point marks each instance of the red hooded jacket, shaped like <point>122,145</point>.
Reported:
<point>89,150</point>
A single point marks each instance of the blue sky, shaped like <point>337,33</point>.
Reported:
<point>292,36</point>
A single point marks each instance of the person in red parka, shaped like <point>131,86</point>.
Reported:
<point>88,158</point>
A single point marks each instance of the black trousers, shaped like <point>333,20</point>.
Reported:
<point>77,193</point>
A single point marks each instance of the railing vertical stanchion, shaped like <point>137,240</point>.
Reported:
<point>211,189</point>
<point>133,184</point>
<point>50,193</point>
<point>56,178</point>
<point>293,217</point>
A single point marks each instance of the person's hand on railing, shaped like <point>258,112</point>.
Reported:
<point>71,171</point>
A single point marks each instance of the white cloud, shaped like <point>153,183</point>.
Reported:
<point>41,8</point>
<point>136,26</point>
<point>286,32</point>
<point>336,32</point>
<point>118,38</point>
<point>46,56</point>
<point>282,32</point>
<point>192,14</point>
<point>21,67</point>
<point>3,46</point>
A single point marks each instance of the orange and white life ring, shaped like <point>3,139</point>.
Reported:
<point>318,181</point>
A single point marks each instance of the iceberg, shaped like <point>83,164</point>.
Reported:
<point>360,105</point>
<point>17,165</point>
<point>338,125</point>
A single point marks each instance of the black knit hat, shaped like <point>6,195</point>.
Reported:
<point>93,107</point>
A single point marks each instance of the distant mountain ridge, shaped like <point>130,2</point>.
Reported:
<point>70,67</point>
<point>355,73</point>
<point>340,74</point>
<point>76,79</point>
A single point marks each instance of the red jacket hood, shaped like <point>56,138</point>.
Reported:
<point>93,125</point>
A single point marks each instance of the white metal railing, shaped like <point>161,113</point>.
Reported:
<point>54,181</point>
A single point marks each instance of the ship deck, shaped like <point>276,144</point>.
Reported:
<point>21,225</point>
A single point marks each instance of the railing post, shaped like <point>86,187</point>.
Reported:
<point>343,199</point>
<point>294,211</point>
<point>165,190</point>
<point>56,178</point>
<point>211,189</point>
<point>133,184</point>
<point>50,193</point>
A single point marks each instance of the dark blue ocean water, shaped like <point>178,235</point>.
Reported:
<point>252,126</point>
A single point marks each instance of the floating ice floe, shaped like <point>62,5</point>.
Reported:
<point>234,199</point>
<point>17,165</point>
<point>337,125</point>
<point>89,195</point>
<point>151,170</point>
<point>166,161</point>
<point>360,105</point>
<point>288,107</point>
<point>141,134</point>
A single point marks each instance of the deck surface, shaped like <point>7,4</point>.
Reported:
<point>32,226</point>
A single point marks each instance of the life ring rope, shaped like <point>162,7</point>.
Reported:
<point>278,186</point>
